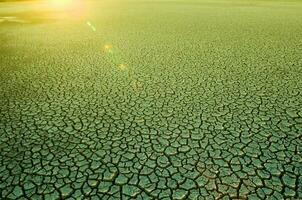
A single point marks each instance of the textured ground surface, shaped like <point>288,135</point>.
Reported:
<point>151,100</point>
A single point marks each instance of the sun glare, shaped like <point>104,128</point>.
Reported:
<point>72,8</point>
<point>61,4</point>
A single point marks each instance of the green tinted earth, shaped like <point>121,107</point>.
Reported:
<point>139,99</point>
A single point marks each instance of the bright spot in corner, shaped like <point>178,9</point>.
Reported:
<point>61,3</point>
<point>76,9</point>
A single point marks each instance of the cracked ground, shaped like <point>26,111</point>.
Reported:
<point>151,100</point>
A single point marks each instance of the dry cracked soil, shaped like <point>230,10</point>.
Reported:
<point>151,100</point>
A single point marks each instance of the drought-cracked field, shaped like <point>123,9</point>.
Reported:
<point>139,99</point>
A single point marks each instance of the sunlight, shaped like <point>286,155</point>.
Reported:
<point>75,9</point>
<point>61,4</point>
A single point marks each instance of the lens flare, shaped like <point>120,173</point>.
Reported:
<point>122,67</point>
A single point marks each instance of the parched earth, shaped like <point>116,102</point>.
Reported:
<point>151,100</point>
